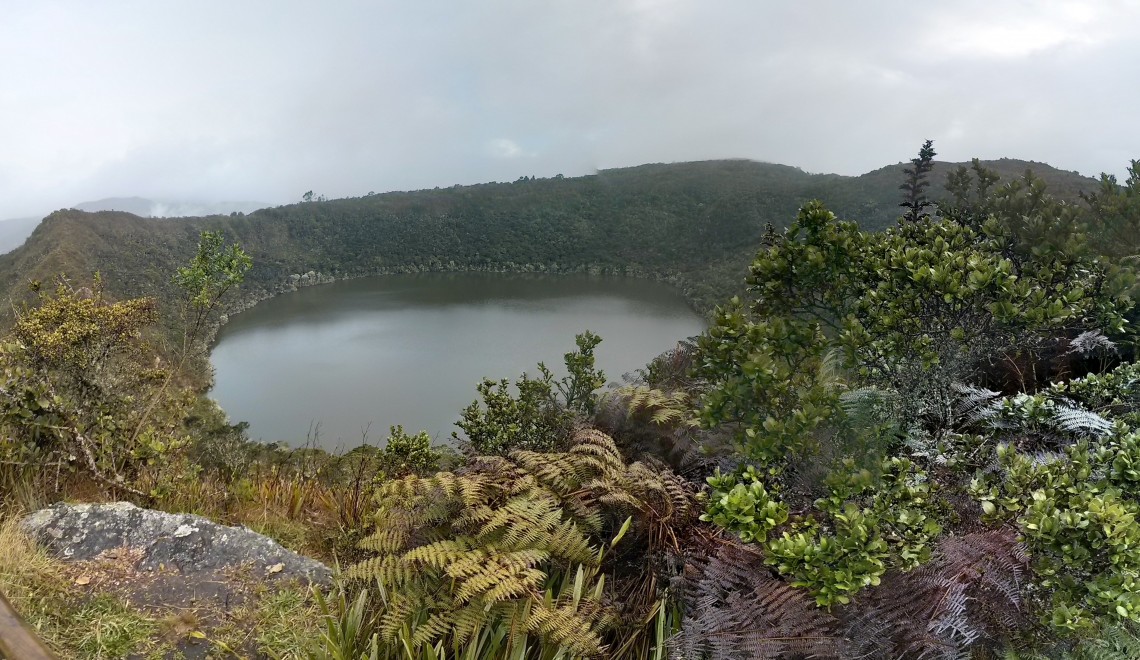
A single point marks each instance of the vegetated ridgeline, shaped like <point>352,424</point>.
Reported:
<point>696,225</point>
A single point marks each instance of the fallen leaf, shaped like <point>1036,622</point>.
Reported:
<point>276,568</point>
<point>83,580</point>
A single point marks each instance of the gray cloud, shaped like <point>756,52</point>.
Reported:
<point>267,99</point>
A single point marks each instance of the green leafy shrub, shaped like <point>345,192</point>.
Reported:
<point>864,526</point>
<point>1077,513</point>
<point>405,454</point>
<point>536,419</point>
<point>742,505</point>
<point>502,422</point>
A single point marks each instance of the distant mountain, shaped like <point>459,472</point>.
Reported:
<point>15,231</point>
<point>149,208</point>
<point>695,225</point>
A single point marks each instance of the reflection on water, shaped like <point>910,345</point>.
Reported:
<point>409,349</point>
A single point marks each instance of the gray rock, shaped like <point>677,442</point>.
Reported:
<point>185,542</point>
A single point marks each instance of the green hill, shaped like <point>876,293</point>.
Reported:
<point>696,225</point>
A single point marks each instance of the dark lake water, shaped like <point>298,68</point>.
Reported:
<point>409,349</point>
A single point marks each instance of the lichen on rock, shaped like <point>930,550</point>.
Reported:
<point>167,541</point>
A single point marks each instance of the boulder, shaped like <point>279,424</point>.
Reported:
<point>182,542</point>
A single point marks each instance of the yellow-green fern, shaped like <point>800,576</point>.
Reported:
<point>517,541</point>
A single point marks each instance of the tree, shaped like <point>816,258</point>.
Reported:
<point>70,378</point>
<point>215,270</point>
<point>584,378</point>
<point>536,418</point>
<point>307,197</point>
<point>1115,214</point>
<point>915,200</point>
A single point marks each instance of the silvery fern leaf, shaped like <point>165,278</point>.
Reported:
<point>975,403</point>
<point>1080,421</point>
<point>1091,341</point>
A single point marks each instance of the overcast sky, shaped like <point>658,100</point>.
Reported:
<point>264,100</point>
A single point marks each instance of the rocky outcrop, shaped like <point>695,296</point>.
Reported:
<point>185,543</point>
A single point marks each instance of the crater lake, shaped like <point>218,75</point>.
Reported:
<point>344,361</point>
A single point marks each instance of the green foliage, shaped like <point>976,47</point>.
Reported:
<point>214,270</point>
<point>88,393</point>
<point>862,527</point>
<point>72,376</point>
<point>536,418</point>
<point>832,566</point>
<point>77,332</point>
<point>405,454</point>
<point>908,312</point>
<point>911,310</point>
<point>503,422</point>
<point>1077,512</point>
<point>1115,214</point>
<point>584,379</point>
<point>766,382</point>
<point>1115,393</point>
<point>742,505</point>
<point>868,525</point>
<point>348,629</point>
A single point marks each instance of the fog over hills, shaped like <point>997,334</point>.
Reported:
<point>14,231</point>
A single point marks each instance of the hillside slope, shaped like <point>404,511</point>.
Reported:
<point>694,224</point>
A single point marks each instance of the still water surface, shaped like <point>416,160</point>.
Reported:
<point>409,349</point>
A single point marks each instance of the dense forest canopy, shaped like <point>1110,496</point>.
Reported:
<point>693,224</point>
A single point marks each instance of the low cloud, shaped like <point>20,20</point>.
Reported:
<point>267,99</point>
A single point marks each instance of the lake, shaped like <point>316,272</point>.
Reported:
<point>358,356</point>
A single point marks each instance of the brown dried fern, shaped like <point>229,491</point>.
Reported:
<point>968,598</point>
<point>736,609</point>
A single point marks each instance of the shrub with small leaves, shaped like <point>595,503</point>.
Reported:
<point>408,454</point>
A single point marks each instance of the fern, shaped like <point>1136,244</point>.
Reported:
<point>974,404</point>
<point>1091,342</point>
<point>968,597</point>
<point>647,404</point>
<point>517,542</point>
<point>1081,422</point>
<point>736,609</point>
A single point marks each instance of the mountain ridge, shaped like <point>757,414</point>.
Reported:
<point>696,225</point>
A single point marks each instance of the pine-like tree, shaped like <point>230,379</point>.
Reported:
<point>915,200</point>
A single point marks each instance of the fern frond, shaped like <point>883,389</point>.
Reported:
<point>968,595</point>
<point>1091,342</point>
<point>567,628</point>
<point>974,404</point>
<point>1080,421</point>
<point>738,609</point>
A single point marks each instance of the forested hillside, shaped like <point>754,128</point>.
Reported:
<point>913,438</point>
<point>695,224</point>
